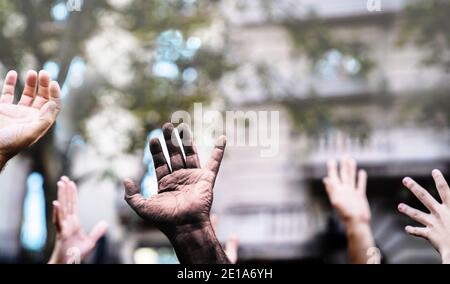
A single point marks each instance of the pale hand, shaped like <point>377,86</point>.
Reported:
<point>24,124</point>
<point>347,194</point>
<point>73,245</point>
<point>437,222</point>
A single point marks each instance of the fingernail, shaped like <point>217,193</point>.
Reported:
<point>406,180</point>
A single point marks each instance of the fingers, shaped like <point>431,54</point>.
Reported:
<point>351,167</point>
<point>159,160</point>
<point>442,186</point>
<point>43,91</point>
<point>344,171</point>
<point>421,194</point>
<point>40,127</point>
<point>362,181</point>
<point>29,92</point>
<point>71,195</point>
<point>98,231</point>
<point>328,186</point>
<point>215,160</point>
<point>332,171</point>
<point>190,150</point>
<point>417,232</point>
<point>55,94</point>
<point>415,214</point>
<point>8,88</point>
<point>62,199</point>
<point>175,153</point>
<point>133,196</point>
<point>57,216</point>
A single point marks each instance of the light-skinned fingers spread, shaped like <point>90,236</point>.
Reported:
<point>414,214</point>
<point>421,193</point>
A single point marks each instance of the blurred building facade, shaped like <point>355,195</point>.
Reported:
<point>277,206</point>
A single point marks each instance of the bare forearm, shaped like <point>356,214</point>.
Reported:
<point>360,240</point>
<point>197,244</point>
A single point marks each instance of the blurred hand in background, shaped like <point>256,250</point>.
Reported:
<point>73,245</point>
<point>437,222</point>
<point>185,194</point>
<point>23,124</point>
<point>347,193</point>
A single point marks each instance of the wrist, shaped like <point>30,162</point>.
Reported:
<point>57,256</point>
<point>445,254</point>
<point>357,227</point>
<point>197,244</point>
<point>356,222</point>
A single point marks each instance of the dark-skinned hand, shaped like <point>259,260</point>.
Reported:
<point>182,206</point>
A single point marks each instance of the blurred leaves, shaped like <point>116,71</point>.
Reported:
<point>427,24</point>
<point>314,39</point>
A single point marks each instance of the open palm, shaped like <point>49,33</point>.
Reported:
<point>72,244</point>
<point>347,194</point>
<point>23,124</point>
<point>185,191</point>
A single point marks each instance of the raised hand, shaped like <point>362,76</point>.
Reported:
<point>72,243</point>
<point>347,194</point>
<point>437,221</point>
<point>185,193</point>
<point>22,124</point>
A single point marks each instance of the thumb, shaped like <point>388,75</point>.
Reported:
<point>98,231</point>
<point>132,194</point>
<point>215,160</point>
<point>47,117</point>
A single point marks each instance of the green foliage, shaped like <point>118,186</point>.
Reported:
<point>427,24</point>
<point>314,39</point>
